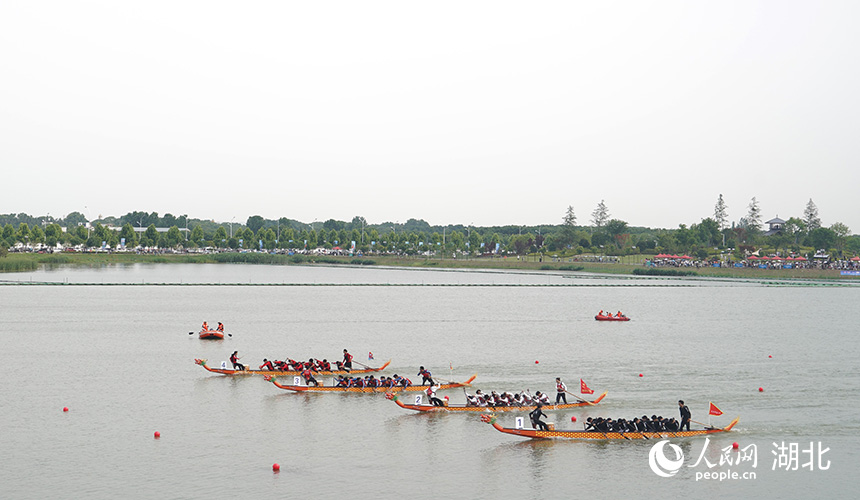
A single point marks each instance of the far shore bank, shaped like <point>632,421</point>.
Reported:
<point>28,262</point>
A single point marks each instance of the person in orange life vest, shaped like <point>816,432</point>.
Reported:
<point>431,394</point>
<point>234,358</point>
<point>220,326</point>
<point>560,388</point>
<point>600,313</point>
<point>205,326</point>
<point>618,315</point>
<point>347,360</point>
<point>267,365</point>
<point>309,378</point>
<point>426,374</point>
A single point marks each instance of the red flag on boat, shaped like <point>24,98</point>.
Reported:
<point>584,388</point>
<point>714,410</point>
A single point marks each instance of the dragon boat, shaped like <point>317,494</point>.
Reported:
<point>463,408</point>
<point>211,335</point>
<point>600,317</point>
<point>283,373</point>
<point>539,434</point>
<point>297,387</point>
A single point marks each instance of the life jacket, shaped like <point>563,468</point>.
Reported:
<point>220,327</point>
<point>405,382</point>
<point>560,387</point>
<point>205,326</point>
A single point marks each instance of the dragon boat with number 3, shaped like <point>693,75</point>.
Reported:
<point>418,406</point>
<point>284,373</point>
<point>539,434</point>
<point>297,387</point>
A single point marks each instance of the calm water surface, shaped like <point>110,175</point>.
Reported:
<point>121,359</point>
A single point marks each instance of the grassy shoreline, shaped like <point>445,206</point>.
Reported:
<point>27,262</point>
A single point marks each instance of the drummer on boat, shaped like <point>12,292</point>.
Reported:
<point>234,358</point>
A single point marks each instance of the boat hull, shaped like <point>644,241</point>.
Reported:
<point>211,335</point>
<point>611,318</point>
<point>411,388</point>
<point>487,409</point>
<point>594,435</point>
<point>285,373</point>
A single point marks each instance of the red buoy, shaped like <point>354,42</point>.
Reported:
<point>65,408</point>
<point>537,362</point>
<point>276,467</point>
<point>573,419</point>
<point>761,389</point>
<point>157,434</point>
<point>735,445</point>
<point>641,375</point>
<point>769,356</point>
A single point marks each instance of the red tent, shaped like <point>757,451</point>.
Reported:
<point>800,258</point>
<point>776,258</point>
<point>764,257</point>
<point>789,258</point>
<point>685,256</point>
<point>753,257</point>
<point>855,258</point>
<point>673,256</point>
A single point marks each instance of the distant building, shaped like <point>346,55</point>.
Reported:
<point>774,226</point>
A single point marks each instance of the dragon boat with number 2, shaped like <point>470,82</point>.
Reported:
<point>492,409</point>
<point>322,388</point>
<point>283,373</point>
<point>539,434</point>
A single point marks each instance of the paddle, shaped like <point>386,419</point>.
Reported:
<point>579,398</point>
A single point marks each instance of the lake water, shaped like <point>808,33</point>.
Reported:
<point>119,356</point>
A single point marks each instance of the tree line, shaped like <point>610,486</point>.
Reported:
<point>604,234</point>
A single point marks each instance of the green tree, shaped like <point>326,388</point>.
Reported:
<point>794,228</point>
<point>23,233</point>
<point>150,237</point>
<point>616,229</point>
<point>842,233</point>
<point>568,228</point>
<point>37,236</point>
<point>74,219</point>
<point>708,231</point>
<point>197,235</point>
<point>255,222</point>
<point>130,236</point>
<point>600,216</point>
<point>822,238</point>
<point>53,234</point>
<point>220,237</point>
<point>810,216</point>
<point>721,216</point>
<point>174,237</point>
<point>753,217</point>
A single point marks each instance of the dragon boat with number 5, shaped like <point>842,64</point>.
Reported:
<point>540,434</point>
<point>297,387</point>
<point>284,373</point>
<point>491,409</point>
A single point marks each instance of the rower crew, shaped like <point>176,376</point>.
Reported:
<point>347,360</point>
<point>234,358</point>
<point>560,391</point>
<point>426,374</point>
<point>267,365</point>
<point>535,416</point>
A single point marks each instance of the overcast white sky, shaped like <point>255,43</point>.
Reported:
<point>488,113</point>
